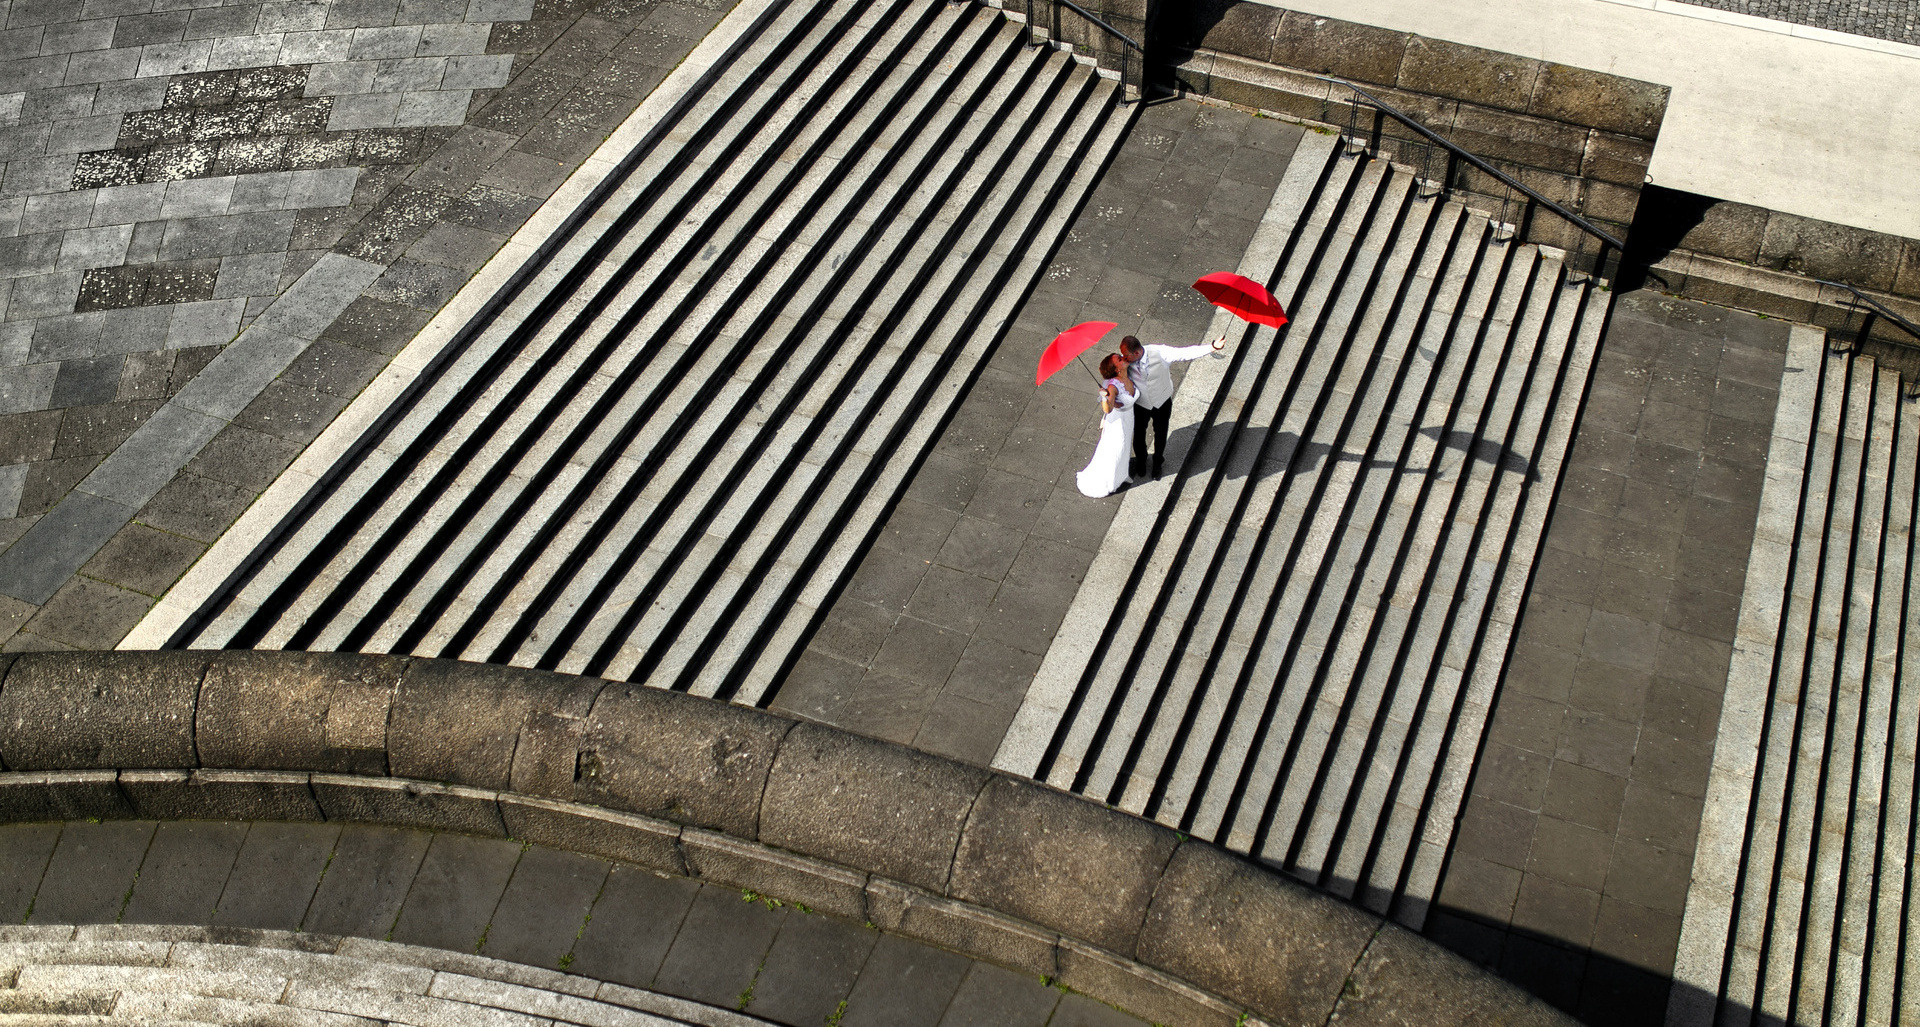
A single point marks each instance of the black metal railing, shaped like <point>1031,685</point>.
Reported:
<point>1604,261</point>
<point>1876,311</point>
<point>1129,47</point>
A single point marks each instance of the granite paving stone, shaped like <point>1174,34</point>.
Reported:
<point>184,872</point>
<point>366,882</point>
<point>720,948</point>
<point>545,907</point>
<point>188,138</point>
<point>454,892</point>
<point>91,873</point>
<point>275,875</point>
<point>604,951</point>
<point>812,966</point>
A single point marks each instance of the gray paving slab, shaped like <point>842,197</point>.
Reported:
<point>810,969</point>
<point>375,869</point>
<point>275,875</point>
<point>992,995</point>
<point>454,892</point>
<point>24,852</point>
<point>183,136</point>
<point>720,949</point>
<point>904,984</point>
<point>91,873</point>
<point>610,950</point>
<point>544,909</point>
<point>184,872</point>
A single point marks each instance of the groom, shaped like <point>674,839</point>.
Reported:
<point>1149,367</point>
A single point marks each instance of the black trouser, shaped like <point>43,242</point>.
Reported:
<point>1158,417</point>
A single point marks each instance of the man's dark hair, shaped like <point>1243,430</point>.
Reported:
<point>1131,344</point>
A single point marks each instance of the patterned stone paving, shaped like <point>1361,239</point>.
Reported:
<point>1897,20</point>
<point>219,221</point>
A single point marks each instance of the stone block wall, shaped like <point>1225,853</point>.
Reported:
<point>1581,138</point>
<point>1739,255</point>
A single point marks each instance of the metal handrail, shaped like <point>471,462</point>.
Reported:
<point>1126,63</point>
<point>1878,307</point>
<point>1389,110</point>
<point>1092,17</point>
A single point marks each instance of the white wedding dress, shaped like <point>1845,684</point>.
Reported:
<point>1107,471</point>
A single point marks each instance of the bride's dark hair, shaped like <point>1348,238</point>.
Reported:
<point>1111,365</point>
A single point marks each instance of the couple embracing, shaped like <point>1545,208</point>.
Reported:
<point>1136,391</point>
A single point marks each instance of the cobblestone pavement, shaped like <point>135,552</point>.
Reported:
<point>219,221</point>
<point>1571,863</point>
<point>1897,20</point>
<point>524,904</point>
<point>944,620</point>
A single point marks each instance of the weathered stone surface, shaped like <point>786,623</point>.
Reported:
<point>100,711</point>
<point>1503,136</point>
<point>1598,100</point>
<point>868,804</point>
<point>1061,862</point>
<point>962,927</point>
<point>1406,981</point>
<point>379,800</point>
<point>1619,159</point>
<point>813,883</point>
<point>1468,73</point>
<point>458,722</point>
<point>219,795</point>
<point>1154,997</point>
<point>1246,30</point>
<point>1234,928</point>
<point>297,711</point>
<point>62,795</point>
<point>1329,46</point>
<point>679,758</point>
<point>576,828</point>
<point>1820,249</point>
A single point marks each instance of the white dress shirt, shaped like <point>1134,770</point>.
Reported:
<point>1154,377</point>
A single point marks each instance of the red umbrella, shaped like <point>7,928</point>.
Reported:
<point>1244,298</point>
<point>1069,344</point>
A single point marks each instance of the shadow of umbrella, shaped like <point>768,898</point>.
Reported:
<point>1476,448</point>
<point>1276,451</point>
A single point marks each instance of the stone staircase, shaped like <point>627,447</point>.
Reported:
<point>1303,657</point>
<point>1800,909</point>
<point>184,975</point>
<point>642,467</point>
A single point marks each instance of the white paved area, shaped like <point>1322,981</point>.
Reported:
<point>1792,118</point>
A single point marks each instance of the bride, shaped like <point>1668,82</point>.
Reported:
<point>1104,475</point>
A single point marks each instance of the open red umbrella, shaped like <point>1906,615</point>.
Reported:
<point>1069,344</point>
<point>1242,297</point>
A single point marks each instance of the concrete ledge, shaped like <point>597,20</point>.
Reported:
<point>992,866</point>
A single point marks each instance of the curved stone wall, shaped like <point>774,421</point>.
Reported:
<point>1128,911</point>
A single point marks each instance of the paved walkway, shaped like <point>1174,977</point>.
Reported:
<point>1571,862</point>
<point>945,619</point>
<point>218,223</point>
<point>520,903</point>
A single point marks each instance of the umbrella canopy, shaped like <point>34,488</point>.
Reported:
<point>1069,344</point>
<point>1242,297</point>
